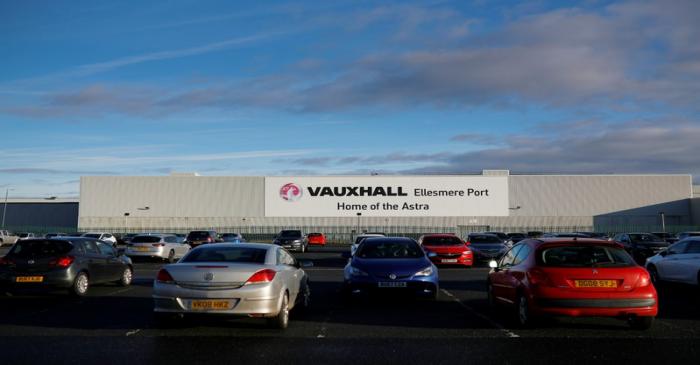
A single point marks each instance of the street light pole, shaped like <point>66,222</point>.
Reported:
<point>663,221</point>
<point>358,222</point>
<point>4,208</point>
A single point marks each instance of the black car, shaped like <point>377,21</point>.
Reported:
<point>641,245</point>
<point>516,237</point>
<point>292,239</point>
<point>668,237</point>
<point>68,263</point>
<point>486,246</point>
<point>196,238</point>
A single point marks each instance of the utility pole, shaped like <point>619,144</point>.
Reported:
<point>4,208</point>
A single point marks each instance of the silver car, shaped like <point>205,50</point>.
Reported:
<point>163,246</point>
<point>244,279</point>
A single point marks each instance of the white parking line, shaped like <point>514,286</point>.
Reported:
<point>131,333</point>
<point>473,311</point>
<point>120,291</point>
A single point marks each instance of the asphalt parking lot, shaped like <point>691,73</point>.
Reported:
<point>114,325</point>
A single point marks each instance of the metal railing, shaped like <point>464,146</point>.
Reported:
<point>346,234</point>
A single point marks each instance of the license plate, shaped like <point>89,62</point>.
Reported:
<point>447,261</point>
<point>392,284</point>
<point>210,304</point>
<point>595,283</point>
<point>142,249</point>
<point>29,279</point>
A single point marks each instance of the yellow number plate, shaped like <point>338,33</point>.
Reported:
<point>29,279</point>
<point>142,249</point>
<point>210,304</point>
<point>595,283</point>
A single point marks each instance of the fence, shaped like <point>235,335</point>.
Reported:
<point>346,234</point>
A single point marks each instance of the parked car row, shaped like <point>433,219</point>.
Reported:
<point>536,277</point>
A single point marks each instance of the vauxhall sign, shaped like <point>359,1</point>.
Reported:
<point>398,196</point>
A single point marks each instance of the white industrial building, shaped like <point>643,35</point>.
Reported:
<point>511,202</point>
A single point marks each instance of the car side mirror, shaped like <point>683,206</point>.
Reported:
<point>305,263</point>
<point>346,255</point>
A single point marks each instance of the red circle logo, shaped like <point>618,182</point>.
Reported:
<point>291,192</point>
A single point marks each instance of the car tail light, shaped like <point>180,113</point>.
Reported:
<point>4,261</point>
<point>164,277</point>
<point>467,242</point>
<point>209,239</point>
<point>158,245</point>
<point>262,276</point>
<point>644,280</point>
<point>62,262</point>
<point>538,277</point>
<point>467,253</point>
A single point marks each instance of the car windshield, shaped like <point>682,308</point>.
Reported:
<point>39,249</point>
<point>380,249</point>
<point>663,235</point>
<point>442,241</point>
<point>198,235</point>
<point>290,234</point>
<point>91,235</point>
<point>229,235</point>
<point>484,238</point>
<point>644,237</point>
<point>500,235</point>
<point>584,256</point>
<point>227,254</point>
<point>23,235</point>
<point>145,239</point>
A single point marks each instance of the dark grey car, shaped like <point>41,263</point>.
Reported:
<point>69,263</point>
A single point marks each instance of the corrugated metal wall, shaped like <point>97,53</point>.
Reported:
<point>535,200</point>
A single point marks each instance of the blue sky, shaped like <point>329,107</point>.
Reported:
<point>345,87</point>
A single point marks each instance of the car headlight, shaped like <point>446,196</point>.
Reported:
<point>425,272</point>
<point>357,272</point>
<point>296,241</point>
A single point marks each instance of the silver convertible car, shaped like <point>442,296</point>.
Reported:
<point>246,279</point>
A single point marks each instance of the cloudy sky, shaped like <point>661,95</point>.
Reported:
<point>282,88</point>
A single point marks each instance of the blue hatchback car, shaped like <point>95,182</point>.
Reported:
<point>391,264</point>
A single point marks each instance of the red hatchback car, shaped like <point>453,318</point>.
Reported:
<point>448,249</point>
<point>572,277</point>
<point>317,239</point>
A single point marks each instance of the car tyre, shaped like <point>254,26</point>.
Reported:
<point>489,296</point>
<point>127,277</point>
<point>171,256</point>
<point>641,323</point>
<point>654,275</point>
<point>81,285</point>
<point>305,301</point>
<point>281,320</point>
<point>523,315</point>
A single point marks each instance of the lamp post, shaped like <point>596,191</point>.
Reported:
<point>4,208</point>
<point>663,221</point>
<point>126,221</point>
<point>358,222</point>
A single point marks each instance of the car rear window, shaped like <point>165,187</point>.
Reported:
<point>145,239</point>
<point>290,234</point>
<point>484,239</point>
<point>442,241</point>
<point>644,237</point>
<point>584,256</point>
<point>380,249</point>
<point>315,234</point>
<point>38,249</point>
<point>90,235</point>
<point>198,235</point>
<point>227,254</point>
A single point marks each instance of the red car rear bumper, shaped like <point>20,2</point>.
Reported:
<point>461,261</point>
<point>643,303</point>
